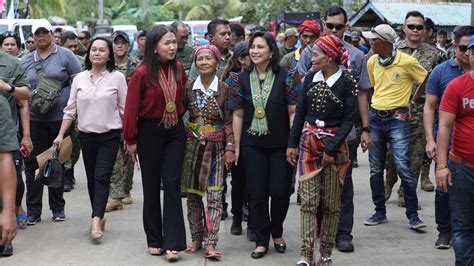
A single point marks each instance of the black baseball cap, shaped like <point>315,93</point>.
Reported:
<point>240,49</point>
<point>122,34</point>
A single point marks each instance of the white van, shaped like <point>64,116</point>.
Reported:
<point>130,30</point>
<point>22,27</point>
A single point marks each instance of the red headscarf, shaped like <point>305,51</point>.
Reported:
<point>215,51</point>
<point>310,25</point>
<point>334,48</point>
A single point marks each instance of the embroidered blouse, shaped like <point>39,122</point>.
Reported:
<point>333,101</point>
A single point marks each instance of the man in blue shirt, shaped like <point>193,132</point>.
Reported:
<point>437,83</point>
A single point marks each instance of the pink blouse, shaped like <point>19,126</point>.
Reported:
<point>97,106</point>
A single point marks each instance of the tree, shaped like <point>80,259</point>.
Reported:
<point>203,9</point>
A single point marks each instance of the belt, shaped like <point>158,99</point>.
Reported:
<point>387,113</point>
<point>460,160</point>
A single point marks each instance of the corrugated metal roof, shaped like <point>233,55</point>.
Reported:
<point>442,14</point>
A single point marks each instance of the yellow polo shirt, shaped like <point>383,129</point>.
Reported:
<point>393,84</point>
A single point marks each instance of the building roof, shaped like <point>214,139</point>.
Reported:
<point>442,14</point>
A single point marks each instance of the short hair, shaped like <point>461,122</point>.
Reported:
<point>414,13</point>
<point>87,34</point>
<point>463,31</point>
<point>443,32</point>
<point>31,35</point>
<point>58,29</point>
<point>141,34</point>
<point>68,35</point>
<point>110,63</point>
<point>274,61</point>
<point>10,34</point>
<point>212,26</point>
<point>429,24</point>
<point>175,25</point>
<point>237,29</point>
<point>334,11</point>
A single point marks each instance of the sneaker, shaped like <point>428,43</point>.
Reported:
<point>416,223</point>
<point>376,219</point>
<point>59,216</point>
<point>6,251</point>
<point>444,240</point>
<point>22,220</point>
<point>345,245</point>
<point>33,219</point>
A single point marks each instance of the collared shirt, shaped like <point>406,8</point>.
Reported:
<point>393,84</point>
<point>438,81</point>
<point>193,73</point>
<point>197,85</point>
<point>60,64</point>
<point>330,81</point>
<point>12,72</point>
<point>97,106</point>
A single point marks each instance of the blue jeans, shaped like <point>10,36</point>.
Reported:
<point>395,131</point>
<point>461,202</point>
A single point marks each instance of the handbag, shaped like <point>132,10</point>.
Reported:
<point>52,174</point>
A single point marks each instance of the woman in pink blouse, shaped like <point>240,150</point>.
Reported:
<point>97,103</point>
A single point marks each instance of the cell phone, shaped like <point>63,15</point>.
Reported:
<point>24,152</point>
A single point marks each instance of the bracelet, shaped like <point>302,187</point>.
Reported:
<point>441,167</point>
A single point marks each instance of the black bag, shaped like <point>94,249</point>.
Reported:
<point>52,174</point>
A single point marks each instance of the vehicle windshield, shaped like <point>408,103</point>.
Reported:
<point>103,30</point>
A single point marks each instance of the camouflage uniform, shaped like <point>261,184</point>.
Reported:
<point>122,176</point>
<point>428,57</point>
<point>186,56</point>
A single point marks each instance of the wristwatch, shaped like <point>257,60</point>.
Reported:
<point>366,129</point>
<point>12,90</point>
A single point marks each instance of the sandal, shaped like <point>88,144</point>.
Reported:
<point>194,247</point>
<point>172,255</point>
<point>155,251</point>
<point>211,253</point>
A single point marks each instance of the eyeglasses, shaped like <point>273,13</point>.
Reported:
<point>30,42</point>
<point>414,26</point>
<point>462,48</point>
<point>336,26</point>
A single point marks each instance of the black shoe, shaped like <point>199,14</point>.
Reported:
<point>6,250</point>
<point>251,235</point>
<point>280,248</point>
<point>444,240</point>
<point>258,254</point>
<point>345,245</point>
<point>225,214</point>
<point>236,227</point>
<point>245,212</point>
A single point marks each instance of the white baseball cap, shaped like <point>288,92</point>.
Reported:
<point>383,32</point>
<point>41,24</point>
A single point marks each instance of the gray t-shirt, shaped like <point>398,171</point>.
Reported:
<point>357,69</point>
<point>60,65</point>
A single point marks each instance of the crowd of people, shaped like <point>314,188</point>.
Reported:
<point>263,109</point>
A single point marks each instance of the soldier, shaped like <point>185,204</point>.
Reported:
<point>85,38</point>
<point>428,57</point>
<point>122,176</point>
<point>288,46</point>
<point>141,40</point>
<point>70,41</point>
<point>185,53</point>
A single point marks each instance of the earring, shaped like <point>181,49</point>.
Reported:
<point>155,52</point>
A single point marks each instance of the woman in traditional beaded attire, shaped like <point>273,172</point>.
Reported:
<point>210,147</point>
<point>264,104</point>
<point>325,114</point>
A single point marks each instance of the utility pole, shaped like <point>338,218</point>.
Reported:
<point>101,10</point>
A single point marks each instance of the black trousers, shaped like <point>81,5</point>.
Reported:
<point>268,176</point>
<point>20,185</point>
<point>238,189</point>
<point>346,218</point>
<point>99,152</point>
<point>42,136</point>
<point>161,154</point>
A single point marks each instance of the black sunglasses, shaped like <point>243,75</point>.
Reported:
<point>462,48</point>
<point>30,42</point>
<point>414,26</point>
<point>336,26</point>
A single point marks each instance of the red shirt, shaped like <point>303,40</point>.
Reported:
<point>147,101</point>
<point>459,100</point>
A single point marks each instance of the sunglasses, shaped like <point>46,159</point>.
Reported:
<point>8,34</point>
<point>414,26</point>
<point>462,48</point>
<point>335,26</point>
<point>30,42</point>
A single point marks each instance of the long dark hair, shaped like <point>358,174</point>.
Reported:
<point>110,63</point>
<point>151,59</point>
<point>274,64</point>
